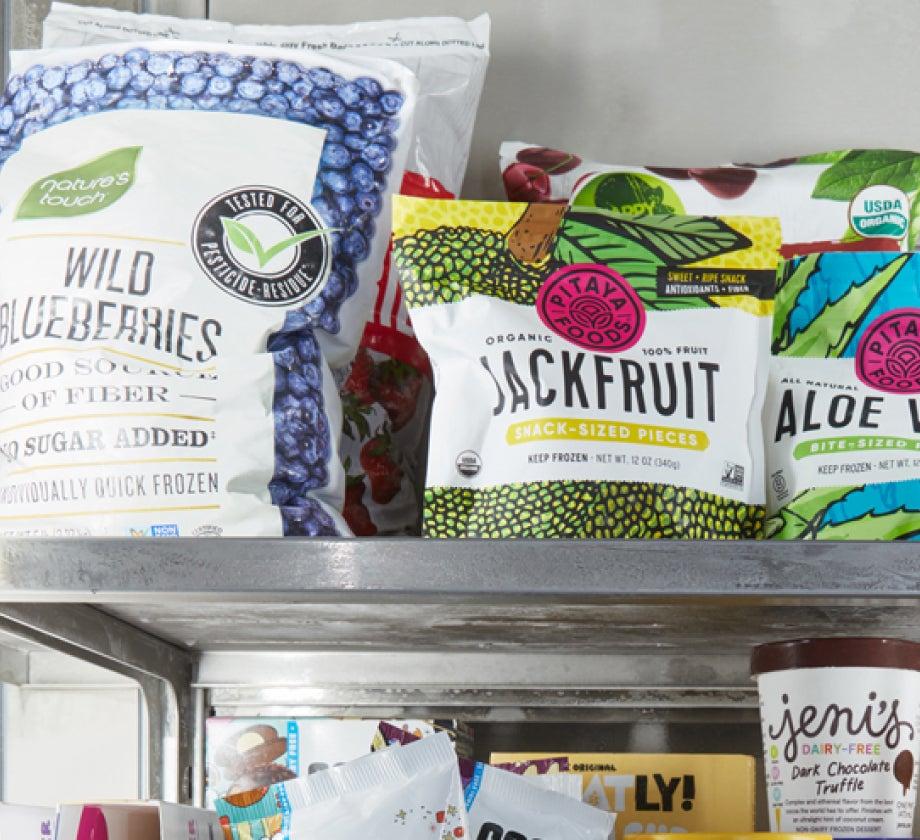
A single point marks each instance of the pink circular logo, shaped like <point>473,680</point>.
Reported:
<point>888,355</point>
<point>593,307</point>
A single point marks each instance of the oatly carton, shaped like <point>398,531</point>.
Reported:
<point>136,821</point>
<point>664,793</point>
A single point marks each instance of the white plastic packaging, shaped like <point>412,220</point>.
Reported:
<point>409,792</point>
<point>501,804</point>
<point>168,230</point>
<point>387,392</point>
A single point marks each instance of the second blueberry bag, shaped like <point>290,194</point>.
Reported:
<point>165,222</point>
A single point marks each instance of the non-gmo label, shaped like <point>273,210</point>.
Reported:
<point>262,245</point>
<point>880,211</point>
<point>593,307</point>
<point>888,355</point>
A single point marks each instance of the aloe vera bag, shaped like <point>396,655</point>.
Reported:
<point>842,417</point>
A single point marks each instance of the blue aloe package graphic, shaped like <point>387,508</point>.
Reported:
<point>843,406</point>
<point>192,238</point>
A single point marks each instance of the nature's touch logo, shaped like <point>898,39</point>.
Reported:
<point>880,210</point>
<point>262,245</point>
<point>888,354</point>
<point>593,307</point>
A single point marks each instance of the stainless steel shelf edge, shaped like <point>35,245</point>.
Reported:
<point>474,571</point>
<point>163,672</point>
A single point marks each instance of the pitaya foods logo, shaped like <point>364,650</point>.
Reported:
<point>262,245</point>
<point>593,307</point>
<point>880,211</point>
<point>888,354</point>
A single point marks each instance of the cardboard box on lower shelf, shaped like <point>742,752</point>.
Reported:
<point>136,821</point>
<point>664,793</point>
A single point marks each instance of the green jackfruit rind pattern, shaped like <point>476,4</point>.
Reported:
<point>587,509</point>
<point>448,264</point>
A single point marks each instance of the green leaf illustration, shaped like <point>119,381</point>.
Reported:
<point>865,168</point>
<point>889,526</point>
<point>824,157</point>
<point>914,231</point>
<point>87,188</point>
<point>791,279</point>
<point>242,237</point>
<point>246,240</point>
<point>834,327</point>
<point>799,518</point>
<point>674,239</point>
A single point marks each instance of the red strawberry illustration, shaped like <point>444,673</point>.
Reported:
<point>355,511</point>
<point>439,817</point>
<point>359,379</point>
<point>383,473</point>
<point>396,388</point>
<point>458,832</point>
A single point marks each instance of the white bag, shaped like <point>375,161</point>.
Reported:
<point>387,392</point>
<point>504,805</point>
<point>408,792</point>
<point>169,230</point>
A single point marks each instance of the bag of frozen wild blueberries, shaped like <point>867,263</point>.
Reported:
<point>386,391</point>
<point>175,289</point>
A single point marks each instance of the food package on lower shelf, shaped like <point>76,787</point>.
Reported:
<point>25,822</point>
<point>244,756</point>
<point>135,821</point>
<point>409,792</point>
<point>664,793</point>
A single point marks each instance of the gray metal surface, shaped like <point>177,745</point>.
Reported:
<point>476,571</point>
<point>163,672</point>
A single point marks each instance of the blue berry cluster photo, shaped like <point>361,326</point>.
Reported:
<point>361,120</point>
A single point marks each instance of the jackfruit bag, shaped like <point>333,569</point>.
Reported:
<point>843,414</point>
<point>596,375</point>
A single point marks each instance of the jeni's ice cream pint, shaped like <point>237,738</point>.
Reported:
<point>840,721</point>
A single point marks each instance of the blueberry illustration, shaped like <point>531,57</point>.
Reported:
<point>33,74</point>
<point>288,73</point>
<point>261,68</point>
<point>274,104</point>
<point>320,77</point>
<point>391,102</point>
<point>165,84</point>
<point>373,126</point>
<point>368,202</point>
<point>251,89</point>
<point>372,109</point>
<point>377,157</point>
<point>350,93</point>
<point>187,64</point>
<point>6,118</point>
<point>108,61</point>
<point>137,56</point>
<point>336,181</point>
<point>192,84</point>
<point>355,142</point>
<point>370,86</point>
<point>329,105</point>
<point>352,120</point>
<point>76,73</point>
<point>229,67</point>
<point>355,245</point>
<point>159,63</point>
<point>21,102</point>
<point>335,156</point>
<point>142,81</point>
<point>53,77</point>
<point>362,176</point>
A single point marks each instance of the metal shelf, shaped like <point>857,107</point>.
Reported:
<point>496,631</point>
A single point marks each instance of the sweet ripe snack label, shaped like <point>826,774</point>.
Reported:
<point>597,375</point>
<point>842,419</point>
